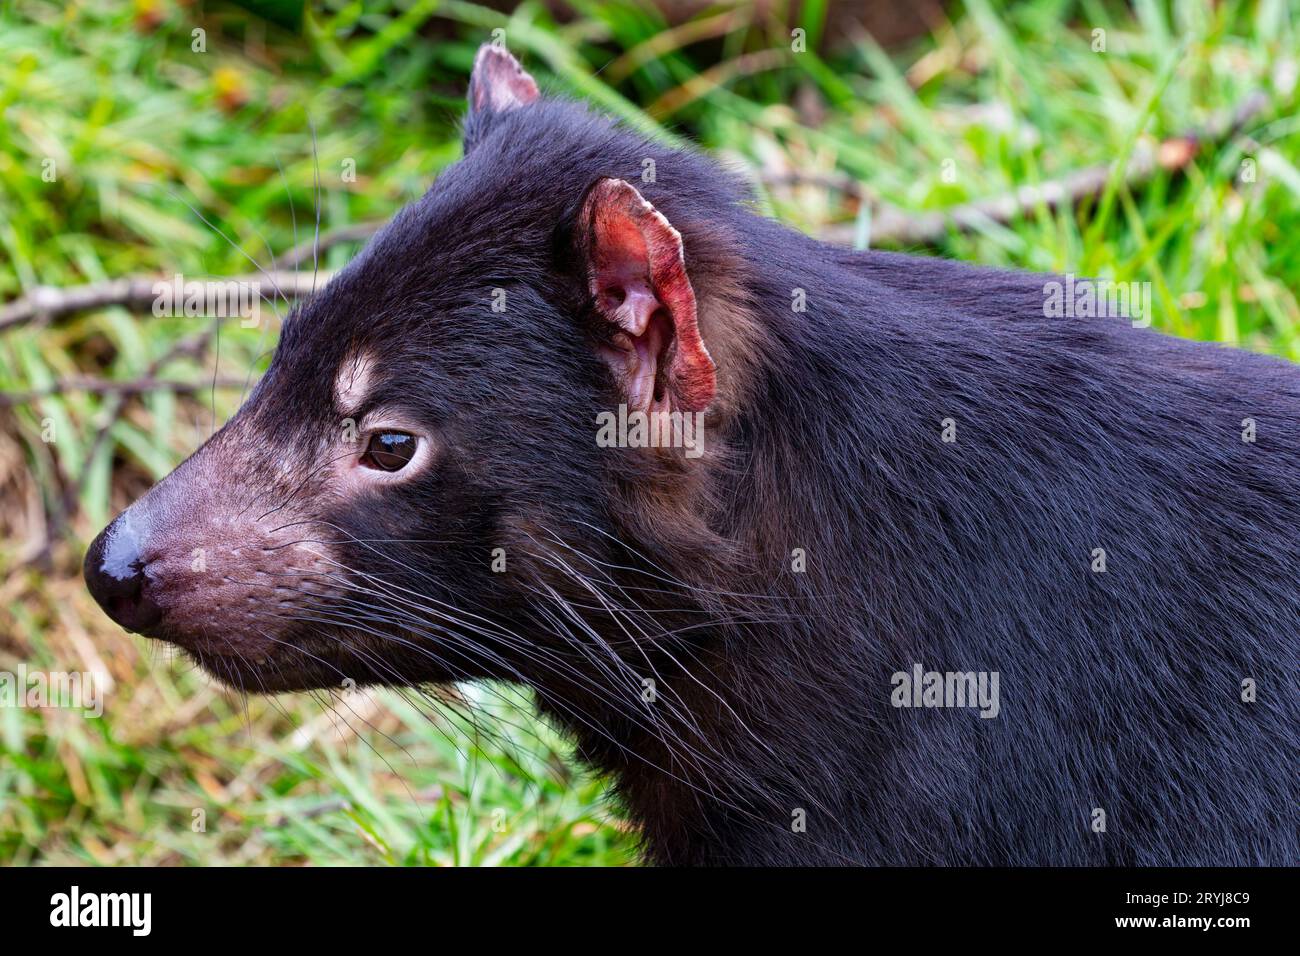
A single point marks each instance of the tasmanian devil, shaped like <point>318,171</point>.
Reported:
<point>822,556</point>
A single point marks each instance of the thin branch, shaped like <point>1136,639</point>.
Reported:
<point>194,348</point>
<point>893,225</point>
<point>64,507</point>
<point>102,386</point>
<point>334,237</point>
<point>136,293</point>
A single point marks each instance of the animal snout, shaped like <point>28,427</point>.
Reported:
<point>115,573</point>
<point>199,571</point>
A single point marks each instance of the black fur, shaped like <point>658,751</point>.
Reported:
<point>1120,691</point>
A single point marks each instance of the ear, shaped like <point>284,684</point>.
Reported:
<point>498,82</point>
<point>636,273</point>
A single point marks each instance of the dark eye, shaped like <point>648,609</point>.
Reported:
<point>389,451</point>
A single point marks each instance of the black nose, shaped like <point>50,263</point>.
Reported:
<point>115,574</point>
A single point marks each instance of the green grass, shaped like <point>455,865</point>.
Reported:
<point>146,136</point>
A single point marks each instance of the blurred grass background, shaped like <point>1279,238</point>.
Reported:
<point>149,138</point>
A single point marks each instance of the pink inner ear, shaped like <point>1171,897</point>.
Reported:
<point>637,275</point>
<point>498,82</point>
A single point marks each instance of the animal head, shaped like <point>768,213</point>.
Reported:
<point>422,463</point>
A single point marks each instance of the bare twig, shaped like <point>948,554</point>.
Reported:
<point>102,386</point>
<point>893,225</point>
<point>839,182</point>
<point>63,508</point>
<point>136,293</point>
<point>192,347</point>
<point>304,252</point>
